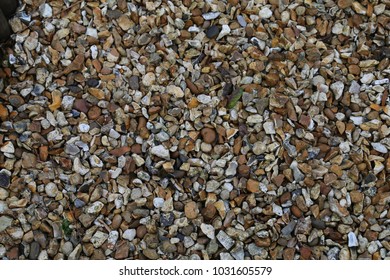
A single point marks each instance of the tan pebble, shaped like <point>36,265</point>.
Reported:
<point>253,186</point>
<point>191,210</point>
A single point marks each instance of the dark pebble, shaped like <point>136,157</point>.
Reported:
<point>212,32</point>
<point>318,224</point>
<point>80,105</point>
<point>92,82</point>
<point>370,178</point>
<point>37,90</point>
<point>78,203</point>
<point>166,219</point>
<point>134,82</point>
<point>16,100</point>
<point>4,180</point>
<point>114,14</point>
<point>74,89</point>
<point>288,229</point>
<point>34,251</point>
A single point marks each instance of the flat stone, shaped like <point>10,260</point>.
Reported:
<point>225,240</point>
<point>208,230</point>
<point>161,152</point>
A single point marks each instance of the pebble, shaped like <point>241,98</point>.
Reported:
<point>209,134</point>
<point>51,190</point>
<point>213,31</point>
<point>129,234</point>
<point>225,240</point>
<point>4,180</point>
<point>208,230</point>
<point>211,15</point>
<point>379,148</point>
<point>265,13</point>
<point>45,10</point>
<point>160,151</point>
<point>191,210</point>
<point>98,239</point>
<point>224,31</point>
<point>352,240</point>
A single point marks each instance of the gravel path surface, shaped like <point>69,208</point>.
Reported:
<point>196,130</point>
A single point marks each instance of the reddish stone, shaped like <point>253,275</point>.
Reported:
<point>120,151</point>
<point>305,253</point>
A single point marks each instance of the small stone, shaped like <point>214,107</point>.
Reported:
<point>161,152</point>
<point>122,251</point>
<point>144,39</point>
<point>211,15</point>
<point>352,240</point>
<point>45,10</point>
<point>8,148</point>
<point>379,148</point>
<point>213,31</point>
<point>4,180</point>
<point>34,251</point>
<point>225,240</point>
<point>129,234</point>
<point>208,230</point>
<point>269,127</point>
<point>337,88</point>
<point>150,254</point>
<point>253,186</point>
<point>359,8</point>
<point>51,190</point>
<point>149,79</point>
<point>158,202</point>
<point>225,31</point>
<point>5,222</point>
<point>95,161</point>
<point>265,13</point>
<point>125,23</point>
<point>16,101</point>
<point>343,4</point>
<point>166,219</point>
<point>209,135</point>
<point>134,82</point>
<point>298,175</point>
<point>175,91</point>
<point>98,239</point>
<point>241,21</point>
<point>232,169</point>
<point>191,210</point>
<point>94,208</point>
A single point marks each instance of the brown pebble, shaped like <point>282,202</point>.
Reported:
<point>209,135</point>
<point>191,210</point>
<point>94,112</point>
<point>253,186</point>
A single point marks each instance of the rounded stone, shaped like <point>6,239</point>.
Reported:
<point>209,135</point>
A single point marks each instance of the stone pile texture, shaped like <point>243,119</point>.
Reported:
<point>196,130</point>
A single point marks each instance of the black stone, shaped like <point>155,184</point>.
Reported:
<point>166,219</point>
<point>74,88</point>
<point>4,180</point>
<point>318,224</point>
<point>213,31</point>
<point>34,251</point>
<point>92,82</point>
<point>370,178</point>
